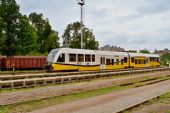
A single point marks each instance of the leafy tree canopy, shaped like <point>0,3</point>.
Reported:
<point>22,35</point>
<point>72,37</point>
<point>144,51</point>
<point>9,17</point>
<point>165,59</point>
<point>27,37</point>
<point>47,37</point>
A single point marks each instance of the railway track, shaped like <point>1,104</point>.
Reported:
<point>41,75</point>
<point>7,73</point>
<point>123,110</point>
<point>21,81</point>
<point>115,102</point>
<point>136,105</point>
<point>11,73</point>
<point>128,81</point>
<point>43,72</point>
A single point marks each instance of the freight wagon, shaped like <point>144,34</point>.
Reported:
<point>22,62</point>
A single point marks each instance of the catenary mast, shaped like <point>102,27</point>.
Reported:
<point>81,3</point>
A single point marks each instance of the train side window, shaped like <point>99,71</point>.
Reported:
<point>125,59</point>
<point>80,57</point>
<point>136,61</point>
<point>139,61</point>
<point>87,58</point>
<point>93,58</point>
<point>144,61</point>
<point>117,61</point>
<point>121,61</point>
<point>150,59</point>
<point>107,61</point>
<point>61,58</point>
<point>132,60</point>
<point>112,61</point>
<point>72,57</point>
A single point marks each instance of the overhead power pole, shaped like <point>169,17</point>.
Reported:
<point>81,3</point>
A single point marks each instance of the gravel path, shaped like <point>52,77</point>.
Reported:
<point>15,97</point>
<point>112,102</point>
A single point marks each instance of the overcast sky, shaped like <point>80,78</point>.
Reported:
<point>131,24</point>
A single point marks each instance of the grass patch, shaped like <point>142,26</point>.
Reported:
<point>161,98</point>
<point>35,104</point>
<point>165,96</point>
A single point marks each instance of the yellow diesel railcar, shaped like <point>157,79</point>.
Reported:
<point>67,59</point>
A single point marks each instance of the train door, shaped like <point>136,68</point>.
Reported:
<point>147,62</point>
<point>102,63</point>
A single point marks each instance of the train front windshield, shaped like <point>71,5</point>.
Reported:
<point>52,55</point>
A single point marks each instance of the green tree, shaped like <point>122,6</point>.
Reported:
<point>9,14</point>
<point>1,35</point>
<point>38,23</point>
<point>53,41</point>
<point>27,37</point>
<point>144,51</point>
<point>47,38</point>
<point>165,59</point>
<point>72,37</point>
<point>132,51</point>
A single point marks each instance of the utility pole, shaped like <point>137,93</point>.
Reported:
<point>81,3</point>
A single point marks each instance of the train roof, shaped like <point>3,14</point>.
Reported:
<point>85,51</point>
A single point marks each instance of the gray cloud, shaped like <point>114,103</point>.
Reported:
<point>132,24</point>
<point>155,6</point>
